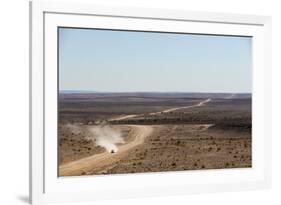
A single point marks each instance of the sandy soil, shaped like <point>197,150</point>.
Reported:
<point>187,147</point>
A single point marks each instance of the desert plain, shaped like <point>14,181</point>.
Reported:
<point>118,133</point>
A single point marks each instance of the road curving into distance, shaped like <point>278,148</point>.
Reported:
<point>101,162</point>
<point>160,112</point>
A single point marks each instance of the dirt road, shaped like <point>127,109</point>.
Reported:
<point>123,117</point>
<point>178,108</point>
<point>160,112</point>
<point>231,96</point>
<point>100,162</point>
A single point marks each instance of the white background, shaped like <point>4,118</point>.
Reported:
<point>14,99</point>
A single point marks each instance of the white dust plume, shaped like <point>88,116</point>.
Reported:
<point>107,137</point>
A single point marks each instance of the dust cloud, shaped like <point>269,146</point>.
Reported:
<point>107,137</point>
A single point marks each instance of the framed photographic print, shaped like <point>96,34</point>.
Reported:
<point>129,102</point>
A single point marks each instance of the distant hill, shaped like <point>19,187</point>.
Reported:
<point>171,95</point>
<point>76,91</point>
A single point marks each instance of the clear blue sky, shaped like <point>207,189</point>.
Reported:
<point>123,61</point>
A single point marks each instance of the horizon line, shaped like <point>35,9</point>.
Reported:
<point>93,91</point>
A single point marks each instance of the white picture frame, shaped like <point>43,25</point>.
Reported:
<point>46,187</point>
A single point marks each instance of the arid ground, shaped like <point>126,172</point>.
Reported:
<point>114,133</point>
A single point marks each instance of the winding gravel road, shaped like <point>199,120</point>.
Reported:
<point>160,112</point>
<point>101,162</point>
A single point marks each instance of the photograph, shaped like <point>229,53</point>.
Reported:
<point>132,101</point>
